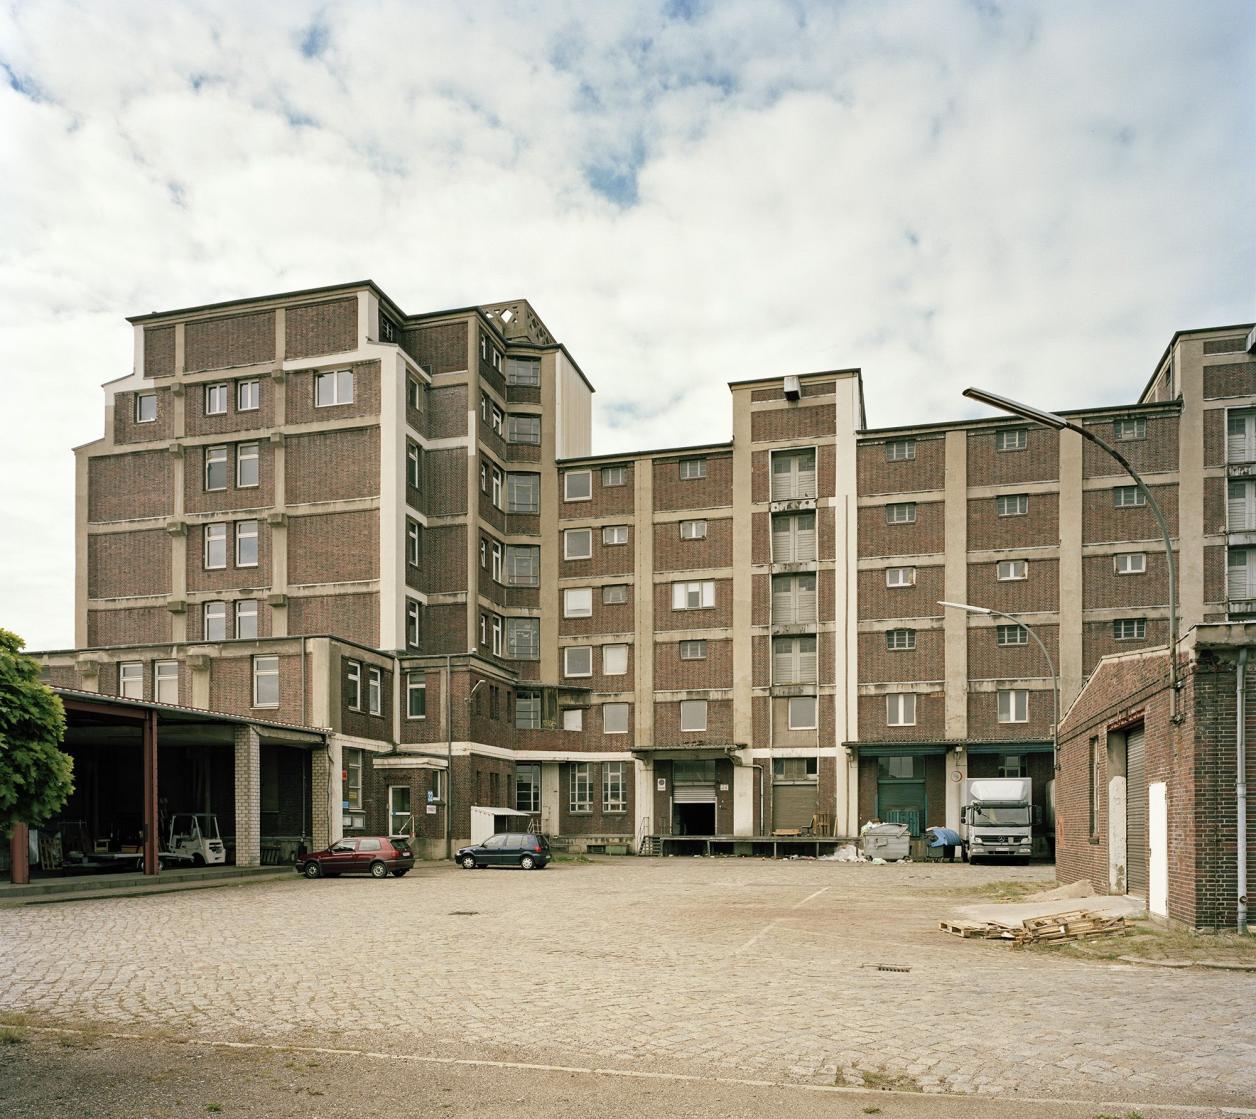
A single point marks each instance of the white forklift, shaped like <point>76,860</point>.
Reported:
<point>193,840</point>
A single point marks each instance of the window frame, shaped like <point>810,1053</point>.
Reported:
<point>213,532</point>
<point>568,650</point>
<point>893,508</point>
<point>568,475</point>
<point>529,651</point>
<point>609,534</point>
<point>1135,424</point>
<point>270,671</point>
<point>531,508</point>
<point>907,446</point>
<point>127,677</point>
<point>1003,444</point>
<point>248,453</point>
<point>1130,568</point>
<point>1137,627</point>
<point>242,534</point>
<point>614,782</point>
<point>249,388</point>
<point>1121,493</point>
<point>682,590</point>
<point>414,547</point>
<point>205,619</point>
<point>217,392</point>
<point>240,613</point>
<point>695,709</point>
<point>698,642</point>
<point>901,639</point>
<point>1011,505</point>
<point>614,476</point>
<point>618,646</point>
<point>141,398</point>
<point>814,717</point>
<point>374,691</point>
<point>513,422</point>
<point>570,535</point>
<point>217,456</point>
<point>338,379</point>
<point>1014,703</point>
<point>412,623</point>
<point>618,707</point>
<point>614,601</point>
<point>900,704</point>
<point>1003,632</point>
<point>1011,565</point>
<point>577,602</point>
<point>353,685</point>
<point>692,469</point>
<point>896,585</point>
<point>697,530</point>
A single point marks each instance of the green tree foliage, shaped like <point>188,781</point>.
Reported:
<point>36,777</point>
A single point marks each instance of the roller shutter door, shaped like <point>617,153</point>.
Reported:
<point>1136,813</point>
<point>793,805</point>
<point>694,794</point>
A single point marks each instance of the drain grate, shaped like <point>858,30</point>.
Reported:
<point>893,967</point>
<point>464,913</point>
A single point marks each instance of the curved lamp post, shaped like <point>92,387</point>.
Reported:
<point>1060,423</point>
<point>1055,680</point>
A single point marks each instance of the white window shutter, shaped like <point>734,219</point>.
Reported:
<point>782,602</point>
<point>782,540</point>
<point>805,539</point>
<point>807,661</point>
<point>805,599</point>
<point>708,594</point>
<point>1236,574</point>
<point>678,596</point>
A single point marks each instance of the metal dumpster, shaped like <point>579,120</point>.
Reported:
<point>885,841</point>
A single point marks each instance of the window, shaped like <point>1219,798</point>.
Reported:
<point>793,599</point>
<point>1129,629</point>
<point>527,788</point>
<point>794,660</point>
<point>387,329</point>
<point>1128,430</point>
<point>900,709</point>
<point>802,712</point>
<point>1011,439</point>
<point>215,468</point>
<point>693,530</point>
<point>573,718</point>
<point>900,450</point>
<point>693,714</point>
<point>523,565</point>
<point>524,429</point>
<point>414,466</point>
<point>578,660</point>
<point>1096,783</point>
<point>523,371</point>
<point>1013,705</point>
<point>693,596</point>
<point>1241,573</point>
<point>578,485</point>
<point>495,630</point>
<point>900,513</point>
<point>902,767</point>
<point>1013,765</point>
<point>353,685</point>
<point>216,399</point>
<point>414,394</point>
<point>131,680</point>
<point>578,602</point>
<point>793,537</point>
<point>692,468</point>
<point>1011,570</point>
<point>615,534</point>
<point>1241,506</point>
<point>333,388</point>
<point>614,476</point>
<point>1128,497</point>
<point>1240,427</point>
<point>614,594</point>
<point>353,778</point>
<point>416,696</point>
<point>523,493</point>
<point>414,552</point>
<point>897,640</point>
<point>581,799</point>
<point>614,718</point>
<point>214,621</point>
<point>614,660</point>
<point>248,396</point>
<point>498,480</point>
<point>265,681</point>
<point>374,691</point>
<point>578,543</point>
<point>215,546</point>
<point>693,650</point>
<point>900,576</point>
<point>246,543</point>
<point>166,681</point>
<point>1130,563</point>
<point>614,791</point>
<point>400,819</point>
<point>1012,504</point>
<point>412,623</point>
<point>496,552</point>
<point>145,407</point>
<point>793,474</point>
<point>246,618</point>
<point>528,710</point>
<point>246,465</point>
<point>1011,635</point>
<point>796,769</point>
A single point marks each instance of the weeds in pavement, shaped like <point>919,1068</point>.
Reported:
<point>213,1107</point>
<point>878,1079</point>
<point>1127,1115</point>
<point>872,1111</point>
<point>10,1036</point>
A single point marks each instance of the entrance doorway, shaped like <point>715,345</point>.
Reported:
<point>693,798</point>
<point>693,818</point>
<point>901,791</point>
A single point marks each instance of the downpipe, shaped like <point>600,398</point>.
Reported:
<point>1240,789</point>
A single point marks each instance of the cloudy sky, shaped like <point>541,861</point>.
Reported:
<point>1032,196</point>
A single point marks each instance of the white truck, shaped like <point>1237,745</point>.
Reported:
<point>996,818</point>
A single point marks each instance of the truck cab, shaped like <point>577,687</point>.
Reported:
<point>996,818</point>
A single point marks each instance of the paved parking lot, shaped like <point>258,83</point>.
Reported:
<point>745,967</point>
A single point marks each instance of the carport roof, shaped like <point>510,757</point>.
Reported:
<point>171,714</point>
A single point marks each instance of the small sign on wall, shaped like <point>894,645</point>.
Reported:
<point>723,788</point>
<point>662,784</point>
<point>431,810</point>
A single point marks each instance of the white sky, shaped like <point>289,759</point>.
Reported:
<point>1031,197</point>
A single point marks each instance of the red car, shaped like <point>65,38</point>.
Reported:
<point>376,855</point>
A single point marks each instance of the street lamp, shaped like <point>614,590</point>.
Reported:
<point>1055,680</point>
<point>1060,423</point>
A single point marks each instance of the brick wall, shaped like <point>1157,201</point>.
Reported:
<point>607,559</point>
<point>988,660</point>
<point>719,730</point>
<point>121,487</point>
<point>1214,437</point>
<point>612,618</point>
<point>876,600</point>
<point>1097,641</point>
<point>231,688</point>
<point>330,327</point>
<point>299,393</point>
<point>673,674</point>
<point>332,465</point>
<point>198,423</point>
<point>983,713</point>
<point>444,558</point>
<point>231,577</point>
<point>247,339</point>
<point>123,564</point>
<point>196,499</point>
<point>598,821</point>
<point>925,472</point>
<point>1235,379</point>
<point>445,629</point>
<point>447,411</point>
<point>134,626</point>
<point>712,492</point>
<point>606,501</point>
<point>1102,521</point>
<point>1039,590</point>
<point>1040,526</point>
<point>1216,516</point>
<point>159,351</point>
<point>333,547</point>
<point>924,537</point>
<point>352,616</point>
<point>671,553</point>
<point>1159,451</point>
<point>1038,462</point>
<point>797,421</point>
<point>1103,588</point>
<point>718,616</point>
<point>360,722</point>
<point>126,430</point>
<point>930,719</point>
<point>880,664</point>
<point>442,348</point>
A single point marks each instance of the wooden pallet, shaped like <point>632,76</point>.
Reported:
<point>1078,924</point>
<point>978,930</point>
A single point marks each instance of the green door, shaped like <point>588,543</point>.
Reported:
<point>901,792</point>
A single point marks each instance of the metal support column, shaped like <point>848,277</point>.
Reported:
<point>19,856</point>
<point>151,826</point>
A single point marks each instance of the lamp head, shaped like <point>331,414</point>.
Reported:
<point>1015,408</point>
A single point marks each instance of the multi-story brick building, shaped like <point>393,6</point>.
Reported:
<point>392,526</point>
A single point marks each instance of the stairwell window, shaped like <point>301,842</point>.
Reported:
<point>1128,497</point>
<point>693,530</point>
<point>523,493</point>
<point>578,544</point>
<point>353,685</point>
<point>793,474</point>
<point>524,429</point>
<point>900,640</point>
<point>1129,629</point>
<point>900,709</point>
<point>581,788</point>
<point>1013,705</point>
<point>331,389</point>
<point>1011,439</point>
<point>145,407</point>
<point>692,468</point>
<point>214,621</point>
<point>527,788</point>
<point>1011,571</point>
<point>793,599</point>
<point>523,639</point>
<point>900,576</point>
<point>523,371</point>
<point>793,537</point>
<point>794,660</point>
<point>693,596</point>
<point>578,485</point>
<point>1127,431</point>
<point>216,397</point>
<point>1012,504</point>
<point>215,555</point>
<point>246,619</point>
<point>248,396</point>
<point>614,791</point>
<point>374,691</point>
<point>414,465</point>
<point>693,714</point>
<point>131,679</point>
<point>265,681</point>
<point>900,513</point>
<point>578,660</point>
<point>900,450</point>
<point>246,466</point>
<point>414,546</point>
<point>1130,563</point>
<point>1240,443</point>
<point>614,718</point>
<point>1011,635</point>
<point>246,544</point>
<point>215,468</point>
<point>528,711</point>
<point>1241,506</point>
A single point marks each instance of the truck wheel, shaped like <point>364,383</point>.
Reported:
<point>379,870</point>
<point>313,870</point>
<point>198,860</point>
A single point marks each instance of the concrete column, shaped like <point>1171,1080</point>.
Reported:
<point>551,791</point>
<point>846,598</point>
<point>248,797</point>
<point>955,588</point>
<point>743,647</point>
<point>644,794</point>
<point>201,668</point>
<point>1069,664</point>
<point>89,675</point>
<point>320,814</point>
<point>643,602</point>
<point>81,462</point>
<point>1188,362</point>
<point>392,504</point>
<point>956,772</point>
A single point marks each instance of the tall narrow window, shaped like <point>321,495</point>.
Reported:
<point>793,599</point>
<point>246,543</point>
<point>412,623</point>
<point>333,388</point>
<point>215,468</point>
<point>414,472</point>
<point>1240,443</point>
<point>793,474</point>
<point>353,778</point>
<point>353,685</point>
<point>614,790</point>
<point>416,696</point>
<point>246,618</point>
<point>1241,506</point>
<point>215,546</point>
<point>527,788</point>
<point>414,552</point>
<point>166,681</point>
<point>499,481</point>
<point>374,691</point>
<point>1096,784</point>
<point>265,681</point>
<point>214,621</point>
<point>793,537</point>
<point>131,680</point>
<point>246,465</point>
<point>528,710</point>
<point>581,799</point>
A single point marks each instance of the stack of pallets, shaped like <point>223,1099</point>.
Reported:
<point>1078,924</point>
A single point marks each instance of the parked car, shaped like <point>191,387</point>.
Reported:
<point>376,855</point>
<point>507,849</point>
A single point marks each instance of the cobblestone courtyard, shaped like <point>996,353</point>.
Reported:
<point>746,967</point>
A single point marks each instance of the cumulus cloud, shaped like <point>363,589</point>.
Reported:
<point>1027,195</point>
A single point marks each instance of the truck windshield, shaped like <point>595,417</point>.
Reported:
<point>990,816</point>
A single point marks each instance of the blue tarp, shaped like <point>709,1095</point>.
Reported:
<point>943,837</point>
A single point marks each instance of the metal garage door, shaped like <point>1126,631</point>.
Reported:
<point>1136,812</point>
<point>694,794</point>
<point>793,805</point>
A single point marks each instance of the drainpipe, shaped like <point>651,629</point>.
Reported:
<point>762,822</point>
<point>449,759</point>
<point>1240,788</point>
